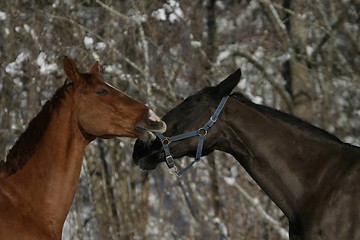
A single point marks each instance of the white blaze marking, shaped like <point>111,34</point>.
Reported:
<point>153,116</point>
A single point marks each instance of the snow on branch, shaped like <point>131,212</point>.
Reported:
<point>112,10</point>
<point>85,29</point>
<point>145,46</point>
<point>235,49</point>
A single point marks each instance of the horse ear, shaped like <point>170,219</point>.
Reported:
<point>225,87</point>
<point>95,68</point>
<point>71,70</point>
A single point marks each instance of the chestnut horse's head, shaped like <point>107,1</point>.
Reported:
<point>104,111</point>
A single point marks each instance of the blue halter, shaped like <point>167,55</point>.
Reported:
<point>165,141</point>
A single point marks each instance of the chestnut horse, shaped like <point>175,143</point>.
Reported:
<point>40,176</point>
<point>309,173</point>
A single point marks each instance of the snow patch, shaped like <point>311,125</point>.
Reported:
<point>230,181</point>
<point>45,68</point>
<point>221,226</point>
<point>223,55</point>
<point>116,69</point>
<point>196,44</point>
<point>2,16</point>
<point>14,68</point>
<point>309,50</point>
<point>159,14</point>
<point>172,8</point>
<point>257,99</point>
<point>100,46</point>
<point>88,42</point>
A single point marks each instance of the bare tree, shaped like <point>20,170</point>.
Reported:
<point>298,56</point>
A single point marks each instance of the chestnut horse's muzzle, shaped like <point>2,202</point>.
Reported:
<point>148,125</point>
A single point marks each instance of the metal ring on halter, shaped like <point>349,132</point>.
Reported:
<point>173,170</point>
<point>165,141</point>
<point>202,132</point>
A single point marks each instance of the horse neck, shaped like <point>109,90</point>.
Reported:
<point>288,163</point>
<point>46,183</point>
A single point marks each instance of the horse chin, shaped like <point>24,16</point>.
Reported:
<point>146,136</point>
<point>145,165</point>
<point>107,136</point>
<point>150,161</point>
<point>144,130</point>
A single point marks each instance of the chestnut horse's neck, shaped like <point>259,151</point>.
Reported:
<point>24,147</point>
<point>42,170</point>
<point>290,160</point>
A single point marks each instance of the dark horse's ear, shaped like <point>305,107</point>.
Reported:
<point>71,70</point>
<point>225,87</point>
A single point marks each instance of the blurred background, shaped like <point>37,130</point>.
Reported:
<point>300,56</point>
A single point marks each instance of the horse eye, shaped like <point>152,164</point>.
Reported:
<point>102,92</point>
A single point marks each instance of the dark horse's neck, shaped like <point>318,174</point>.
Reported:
<point>290,160</point>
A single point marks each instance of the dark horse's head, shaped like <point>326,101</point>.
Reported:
<point>188,116</point>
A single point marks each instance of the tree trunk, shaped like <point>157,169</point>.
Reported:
<point>295,70</point>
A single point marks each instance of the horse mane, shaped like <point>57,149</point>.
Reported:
<point>288,118</point>
<point>25,146</point>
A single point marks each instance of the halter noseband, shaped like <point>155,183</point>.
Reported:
<point>165,141</point>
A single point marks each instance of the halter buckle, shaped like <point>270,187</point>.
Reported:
<point>170,161</point>
<point>213,119</point>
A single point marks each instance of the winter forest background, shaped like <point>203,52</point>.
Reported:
<point>300,56</point>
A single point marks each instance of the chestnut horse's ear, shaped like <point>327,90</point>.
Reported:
<point>95,68</point>
<point>225,87</point>
<point>71,70</point>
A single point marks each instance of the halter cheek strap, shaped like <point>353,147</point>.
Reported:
<point>165,141</point>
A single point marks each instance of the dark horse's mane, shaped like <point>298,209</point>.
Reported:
<point>25,146</point>
<point>289,119</point>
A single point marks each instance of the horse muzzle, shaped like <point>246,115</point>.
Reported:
<point>149,124</point>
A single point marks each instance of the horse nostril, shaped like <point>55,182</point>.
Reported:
<point>140,128</point>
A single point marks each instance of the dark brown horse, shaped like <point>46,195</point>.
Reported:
<point>310,174</point>
<point>39,179</point>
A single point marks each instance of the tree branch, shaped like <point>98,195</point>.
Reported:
<point>145,48</point>
<point>85,29</point>
<point>236,50</point>
<point>257,206</point>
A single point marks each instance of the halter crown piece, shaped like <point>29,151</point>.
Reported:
<point>201,133</point>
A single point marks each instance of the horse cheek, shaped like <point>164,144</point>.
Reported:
<point>90,123</point>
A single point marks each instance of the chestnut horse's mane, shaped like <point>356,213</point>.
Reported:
<point>25,146</point>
